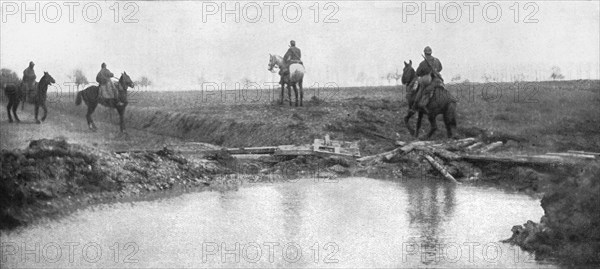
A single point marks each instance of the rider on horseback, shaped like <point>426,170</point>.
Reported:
<point>292,56</point>
<point>107,87</point>
<point>429,79</point>
<point>29,79</point>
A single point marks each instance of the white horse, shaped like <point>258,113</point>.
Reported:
<point>293,80</point>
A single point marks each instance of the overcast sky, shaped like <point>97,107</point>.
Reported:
<point>179,43</point>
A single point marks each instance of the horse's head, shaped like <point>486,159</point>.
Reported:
<point>47,79</point>
<point>125,81</point>
<point>408,73</point>
<point>273,61</point>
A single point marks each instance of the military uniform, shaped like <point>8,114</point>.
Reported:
<point>428,79</point>
<point>292,56</point>
<point>107,89</point>
<point>29,80</point>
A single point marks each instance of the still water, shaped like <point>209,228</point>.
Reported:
<point>352,222</point>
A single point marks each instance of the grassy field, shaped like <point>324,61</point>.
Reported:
<point>530,116</point>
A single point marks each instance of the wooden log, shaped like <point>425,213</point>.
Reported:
<point>519,159</point>
<point>400,143</point>
<point>447,155</point>
<point>574,155</point>
<point>440,169</point>
<point>584,152</point>
<point>379,156</point>
<point>458,144</point>
<point>471,147</point>
<point>491,146</point>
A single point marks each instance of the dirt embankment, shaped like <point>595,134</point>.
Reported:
<point>52,177</point>
<point>569,228</point>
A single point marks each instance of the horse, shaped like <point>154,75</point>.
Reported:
<point>441,102</point>
<point>15,94</point>
<point>91,97</point>
<point>294,80</point>
<point>41,95</point>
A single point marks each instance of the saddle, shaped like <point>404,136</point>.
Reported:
<point>108,90</point>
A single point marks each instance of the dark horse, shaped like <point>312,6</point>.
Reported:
<point>41,95</point>
<point>441,102</point>
<point>91,97</point>
<point>16,94</point>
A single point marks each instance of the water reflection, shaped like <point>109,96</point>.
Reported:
<point>369,221</point>
<point>430,203</point>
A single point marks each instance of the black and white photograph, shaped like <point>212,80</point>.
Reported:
<point>299,134</point>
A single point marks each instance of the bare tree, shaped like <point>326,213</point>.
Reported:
<point>144,81</point>
<point>456,78</point>
<point>246,82</point>
<point>395,76</point>
<point>7,77</point>
<point>556,73</point>
<point>79,78</point>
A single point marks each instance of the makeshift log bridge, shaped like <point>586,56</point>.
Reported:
<point>471,150</point>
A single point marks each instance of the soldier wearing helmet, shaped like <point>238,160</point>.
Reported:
<point>429,78</point>
<point>292,56</point>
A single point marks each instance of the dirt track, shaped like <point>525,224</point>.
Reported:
<point>74,130</point>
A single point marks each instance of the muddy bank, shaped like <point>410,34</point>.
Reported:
<point>569,229</point>
<point>51,177</point>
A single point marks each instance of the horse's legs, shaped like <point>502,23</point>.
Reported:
<point>433,124</point>
<point>448,124</point>
<point>36,110</point>
<point>301,92</point>
<point>10,104</point>
<point>407,121</point>
<point>289,88</point>
<point>282,90</point>
<point>88,116</point>
<point>121,110</point>
<point>14,110</point>
<point>295,93</point>
<point>45,111</point>
<point>419,119</point>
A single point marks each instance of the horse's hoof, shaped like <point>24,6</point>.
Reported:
<point>44,119</point>
<point>38,122</point>
<point>10,121</point>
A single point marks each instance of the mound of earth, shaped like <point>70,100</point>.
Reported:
<point>51,174</point>
<point>569,228</point>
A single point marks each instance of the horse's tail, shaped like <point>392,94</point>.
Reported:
<point>78,98</point>
<point>450,114</point>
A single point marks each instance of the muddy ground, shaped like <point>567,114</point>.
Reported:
<point>77,167</point>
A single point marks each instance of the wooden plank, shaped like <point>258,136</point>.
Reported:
<point>440,169</point>
<point>252,150</point>
<point>574,155</point>
<point>294,152</point>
